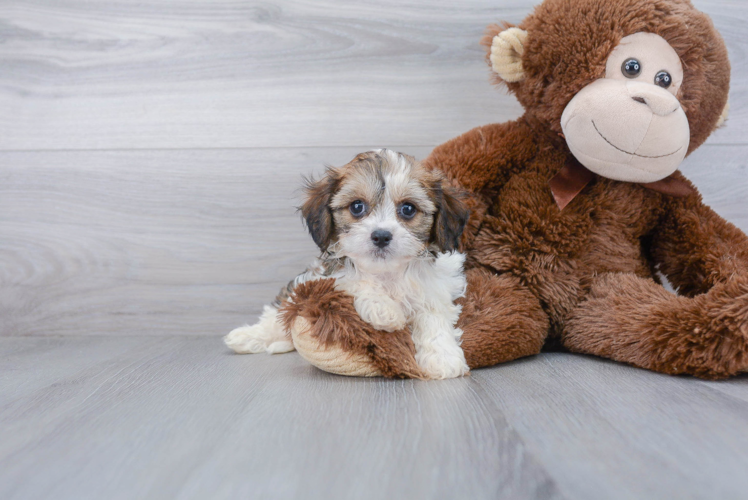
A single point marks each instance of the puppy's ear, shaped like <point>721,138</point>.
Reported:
<point>316,209</point>
<point>450,218</point>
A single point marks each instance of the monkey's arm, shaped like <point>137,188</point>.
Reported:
<point>696,248</point>
<point>484,158</point>
<point>480,162</point>
<point>702,332</point>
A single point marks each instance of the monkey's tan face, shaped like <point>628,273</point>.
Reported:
<point>382,210</point>
<point>630,126</point>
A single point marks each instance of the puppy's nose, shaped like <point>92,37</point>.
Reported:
<point>381,238</point>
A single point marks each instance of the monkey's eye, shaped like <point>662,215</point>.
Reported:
<point>631,68</point>
<point>357,208</point>
<point>407,211</point>
<point>663,79</point>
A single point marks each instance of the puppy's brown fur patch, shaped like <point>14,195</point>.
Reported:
<point>316,211</point>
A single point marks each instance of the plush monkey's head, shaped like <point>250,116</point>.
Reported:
<point>633,85</point>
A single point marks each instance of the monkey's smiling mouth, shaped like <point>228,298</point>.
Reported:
<point>628,153</point>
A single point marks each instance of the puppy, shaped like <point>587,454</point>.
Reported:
<point>388,230</point>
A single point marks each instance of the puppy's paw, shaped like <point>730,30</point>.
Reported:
<point>442,360</point>
<point>382,313</point>
<point>247,339</point>
<point>268,335</point>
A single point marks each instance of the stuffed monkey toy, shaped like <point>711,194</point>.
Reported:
<point>577,207</point>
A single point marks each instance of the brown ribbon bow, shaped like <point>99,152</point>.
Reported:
<point>574,176</point>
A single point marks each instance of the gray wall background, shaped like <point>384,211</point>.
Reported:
<point>151,152</point>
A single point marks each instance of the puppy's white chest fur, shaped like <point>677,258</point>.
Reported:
<point>420,295</point>
<point>393,298</point>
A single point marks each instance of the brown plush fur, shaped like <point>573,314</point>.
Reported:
<point>706,336</point>
<point>501,320</point>
<point>335,321</point>
<point>586,277</point>
<point>611,227</point>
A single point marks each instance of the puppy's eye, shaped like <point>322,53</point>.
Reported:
<point>631,68</point>
<point>663,79</point>
<point>407,211</point>
<point>357,208</point>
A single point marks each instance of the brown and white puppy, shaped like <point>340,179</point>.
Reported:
<point>388,230</point>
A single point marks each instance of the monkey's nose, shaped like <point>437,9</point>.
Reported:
<point>381,238</point>
<point>659,100</point>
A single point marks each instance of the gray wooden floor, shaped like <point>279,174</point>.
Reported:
<point>150,158</point>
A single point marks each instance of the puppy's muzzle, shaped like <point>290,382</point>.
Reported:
<point>381,238</point>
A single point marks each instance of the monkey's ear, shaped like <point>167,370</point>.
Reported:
<point>507,49</point>
<point>316,210</point>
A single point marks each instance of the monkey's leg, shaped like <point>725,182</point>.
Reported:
<point>636,321</point>
<point>501,320</point>
<point>328,332</point>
